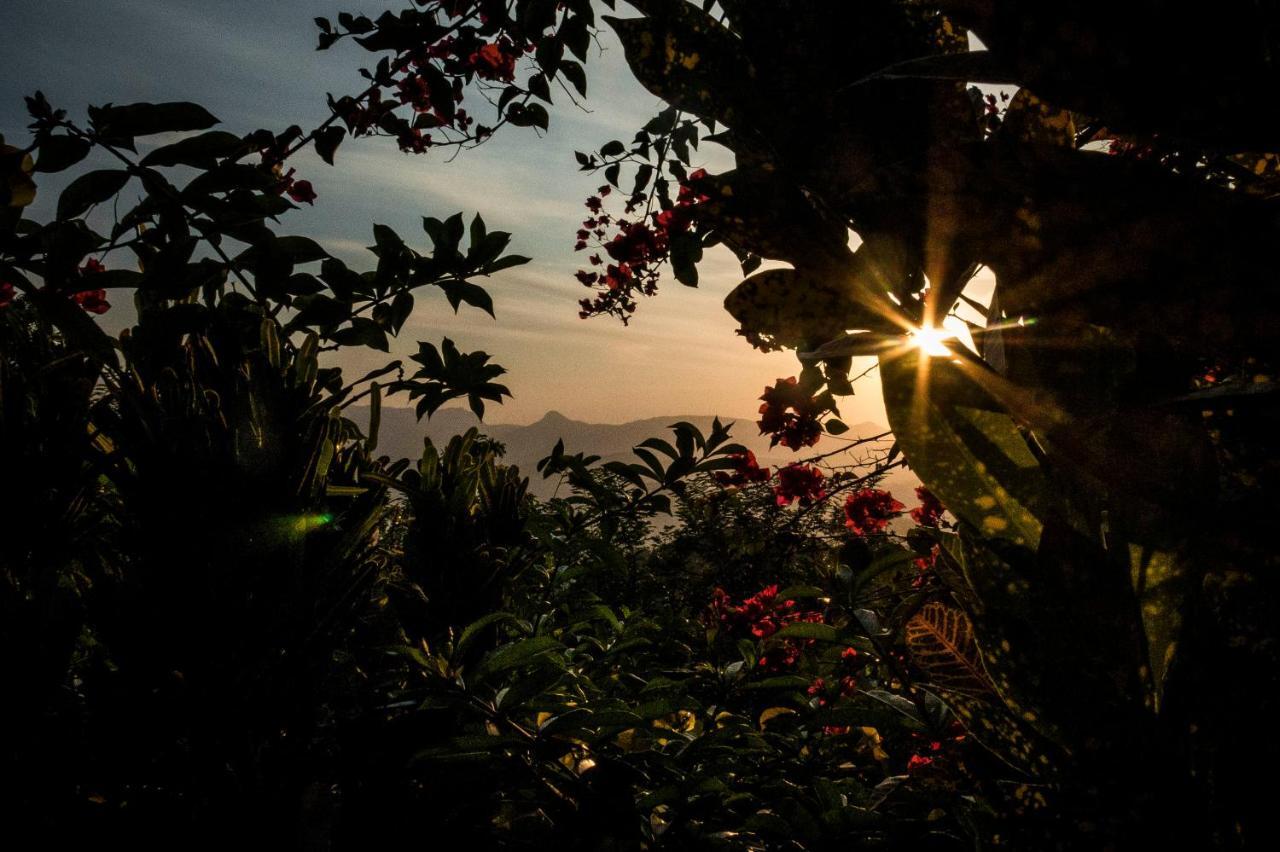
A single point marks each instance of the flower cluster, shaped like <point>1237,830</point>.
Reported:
<point>790,415</point>
<point>799,482</point>
<point>843,684</point>
<point>431,82</point>
<point>761,616</point>
<point>92,300</point>
<point>930,510</point>
<point>745,471</point>
<point>869,511</point>
<point>924,565</point>
<point>844,687</point>
<point>636,251</point>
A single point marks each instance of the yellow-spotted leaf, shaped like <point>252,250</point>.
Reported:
<point>1037,122</point>
<point>963,446</point>
<point>684,56</point>
<point>1160,583</point>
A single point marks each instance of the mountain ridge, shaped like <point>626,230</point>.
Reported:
<point>401,435</point>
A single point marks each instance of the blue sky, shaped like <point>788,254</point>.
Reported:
<point>253,64</point>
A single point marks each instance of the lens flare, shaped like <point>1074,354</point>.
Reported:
<point>932,341</point>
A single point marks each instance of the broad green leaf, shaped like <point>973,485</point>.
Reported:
<point>964,447</point>
<point>517,654</point>
<point>1161,582</point>
<point>808,630</point>
<point>682,55</point>
<point>145,119</point>
<point>89,189</point>
<point>61,152</point>
<point>201,152</point>
<point>473,630</point>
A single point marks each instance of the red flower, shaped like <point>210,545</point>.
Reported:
<point>790,415</point>
<point>496,61</point>
<point>6,294</point>
<point>930,510</point>
<point>924,565</point>
<point>745,469</point>
<point>869,511</point>
<point>918,763</point>
<point>93,301</point>
<point>640,247</point>
<point>301,191</point>
<point>798,482</point>
<point>779,658</point>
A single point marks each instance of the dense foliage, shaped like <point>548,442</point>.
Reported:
<point>221,610</point>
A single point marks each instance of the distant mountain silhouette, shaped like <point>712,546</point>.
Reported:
<point>402,436</point>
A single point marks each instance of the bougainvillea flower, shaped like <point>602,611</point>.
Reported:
<point>869,511</point>
<point>930,510</point>
<point>745,470</point>
<point>918,763</point>
<point>93,301</point>
<point>798,482</point>
<point>302,192</point>
<point>790,415</point>
<point>640,246</point>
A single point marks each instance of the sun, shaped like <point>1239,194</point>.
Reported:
<point>932,340</point>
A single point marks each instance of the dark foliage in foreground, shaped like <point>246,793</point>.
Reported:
<point>221,611</point>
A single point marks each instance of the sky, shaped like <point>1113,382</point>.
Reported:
<point>254,64</point>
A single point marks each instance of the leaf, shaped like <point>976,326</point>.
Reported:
<point>327,142</point>
<point>201,152</point>
<point>963,446</point>
<point>473,630</point>
<point>1161,582</point>
<point>780,682</point>
<point>375,417</point>
<point>770,713</point>
<point>686,252</point>
<point>1030,120</point>
<point>469,747</point>
<point>574,73</point>
<point>61,152</point>
<point>801,592</point>
<point>973,66</point>
<point>457,292</point>
<point>682,55</point>
<point>146,119</point>
<point>941,642</point>
<point>808,630</point>
<point>90,189</point>
<point>362,332</point>
<point>1003,734</point>
<point>796,307</point>
<point>518,654</point>
<point>299,249</point>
